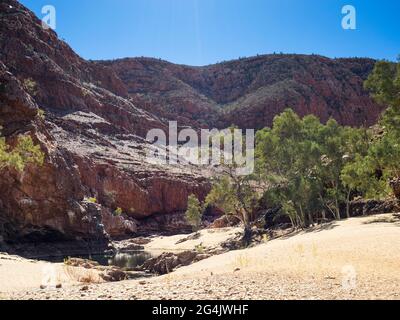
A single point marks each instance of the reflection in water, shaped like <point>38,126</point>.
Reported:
<point>129,260</point>
<point>123,260</point>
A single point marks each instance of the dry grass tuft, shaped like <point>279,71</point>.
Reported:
<point>242,261</point>
<point>83,275</point>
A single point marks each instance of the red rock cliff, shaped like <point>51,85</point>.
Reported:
<point>92,136</point>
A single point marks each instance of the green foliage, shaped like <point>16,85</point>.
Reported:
<point>384,83</point>
<point>194,212</point>
<point>361,175</point>
<point>25,152</point>
<point>301,160</point>
<point>200,248</point>
<point>371,172</point>
<point>311,169</point>
<point>41,114</point>
<point>31,86</point>
<point>117,212</point>
<point>92,200</point>
<point>222,196</point>
<point>109,197</point>
<point>234,195</point>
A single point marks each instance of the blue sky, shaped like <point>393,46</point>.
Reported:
<point>200,32</point>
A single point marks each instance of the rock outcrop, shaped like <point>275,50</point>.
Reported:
<point>224,222</point>
<point>168,261</point>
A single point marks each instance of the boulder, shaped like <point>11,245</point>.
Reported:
<point>167,262</point>
<point>113,274</point>
<point>225,222</point>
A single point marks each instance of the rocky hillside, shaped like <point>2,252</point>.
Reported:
<point>90,119</point>
<point>250,92</point>
<point>92,136</point>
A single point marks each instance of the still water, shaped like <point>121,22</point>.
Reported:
<point>123,260</point>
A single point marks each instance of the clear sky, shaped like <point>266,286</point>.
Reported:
<point>200,32</point>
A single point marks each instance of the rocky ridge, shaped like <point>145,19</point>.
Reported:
<point>249,92</point>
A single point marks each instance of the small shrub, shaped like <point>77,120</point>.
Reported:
<point>85,92</point>
<point>200,248</point>
<point>67,261</point>
<point>92,200</point>
<point>24,153</point>
<point>41,114</point>
<point>31,86</point>
<point>82,275</point>
<point>194,212</point>
<point>118,212</point>
<point>242,261</point>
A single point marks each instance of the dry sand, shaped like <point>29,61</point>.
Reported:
<point>207,238</point>
<point>357,258</point>
<point>19,275</point>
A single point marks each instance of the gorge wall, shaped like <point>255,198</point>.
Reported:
<point>90,119</point>
<point>92,137</point>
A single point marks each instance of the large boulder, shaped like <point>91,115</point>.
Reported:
<point>225,221</point>
<point>167,262</point>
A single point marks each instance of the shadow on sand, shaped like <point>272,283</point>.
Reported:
<point>317,228</point>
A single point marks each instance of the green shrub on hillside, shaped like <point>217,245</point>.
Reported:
<point>117,212</point>
<point>41,114</point>
<point>194,212</point>
<point>31,86</point>
<point>301,160</point>
<point>25,152</point>
<point>92,200</point>
<point>371,173</point>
